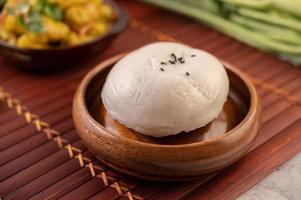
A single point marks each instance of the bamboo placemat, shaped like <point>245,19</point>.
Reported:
<point>41,156</point>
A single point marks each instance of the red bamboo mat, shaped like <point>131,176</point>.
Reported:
<point>41,156</point>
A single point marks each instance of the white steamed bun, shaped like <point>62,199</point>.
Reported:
<point>165,88</point>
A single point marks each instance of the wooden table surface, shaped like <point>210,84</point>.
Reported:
<point>41,156</point>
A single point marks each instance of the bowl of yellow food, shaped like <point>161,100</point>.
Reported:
<point>54,34</point>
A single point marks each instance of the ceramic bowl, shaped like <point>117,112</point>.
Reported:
<point>173,158</point>
<point>60,58</point>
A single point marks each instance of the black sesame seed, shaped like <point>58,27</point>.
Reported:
<point>162,69</point>
<point>163,63</point>
<point>172,62</point>
<point>187,74</point>
<point>174,57</point>
<point>181,60</point>
<point>193,55</point>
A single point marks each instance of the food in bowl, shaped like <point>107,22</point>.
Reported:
<point>166,88</point>
<point>44,24</point>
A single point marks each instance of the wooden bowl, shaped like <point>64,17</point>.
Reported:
<point>60,58</point>
<point>172,158</point>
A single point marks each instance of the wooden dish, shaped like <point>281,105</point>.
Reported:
<point>172,158</point>
<point>63,57</point>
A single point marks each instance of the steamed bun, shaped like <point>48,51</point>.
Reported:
<point>165,88</point>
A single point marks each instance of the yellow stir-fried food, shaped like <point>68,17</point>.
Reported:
<point>40,24</point>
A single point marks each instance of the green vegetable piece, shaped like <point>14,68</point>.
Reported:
<point>291,6</point>
<point>11,11</point>
<point>35,27</point>
<point>270,30</point>
<point>237,31</point>
<point>23,7</point>
<point>263,29</point>
<point>281,19</point>
<point>40,4</point>
<point>209,5</point>
<point>54,11</point>
<point>35,22</point>
<point>50,9</point>
<point>257,4</point>
<point>21,20</point>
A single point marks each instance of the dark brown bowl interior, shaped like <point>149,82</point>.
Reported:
<point>60,58</point>
<point>234,111</point>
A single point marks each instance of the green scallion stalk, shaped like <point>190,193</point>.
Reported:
<point>256,4</point>
<point>291,6</point>
<point>252,38</point>
<point>271,31</point>
<point>208,5</point>
<point>272,17</point>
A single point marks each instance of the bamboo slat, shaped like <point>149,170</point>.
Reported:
<point>41,156</point>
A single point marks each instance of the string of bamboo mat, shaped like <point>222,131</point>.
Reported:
<point>73,152</point>
<point>160,36</point>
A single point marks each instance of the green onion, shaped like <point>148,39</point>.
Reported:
<point>262,24</point>
<point>50,9</point>
<point>258,4</point>
<point>31,18</point>
<point>54,11</point>
<point>291,6</point>
<point>33,23</point>
<point>273,18</point>
<point>270,30</point>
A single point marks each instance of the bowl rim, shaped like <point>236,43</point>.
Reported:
<point>81,93</point>
<point>117,27</point>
